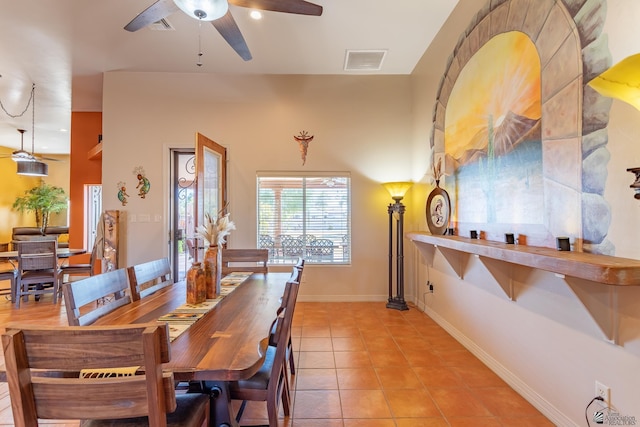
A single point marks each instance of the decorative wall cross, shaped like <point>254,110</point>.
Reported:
<point>303,141</point>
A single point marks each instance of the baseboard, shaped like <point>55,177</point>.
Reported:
<point>544,406</point>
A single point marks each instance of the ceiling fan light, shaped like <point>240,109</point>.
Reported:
<point>205,10</point>
<point>34,168</point>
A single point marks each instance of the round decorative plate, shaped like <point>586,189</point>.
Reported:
<point>438,210</point>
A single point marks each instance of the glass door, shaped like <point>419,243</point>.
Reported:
<point>211,172</point>
<point>183,210</point>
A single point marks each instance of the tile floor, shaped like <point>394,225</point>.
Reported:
<point>362,365</point>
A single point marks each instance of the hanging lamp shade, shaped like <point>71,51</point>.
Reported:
<point>205,10</point>
<point>34,168</point>
<point>622,81</point>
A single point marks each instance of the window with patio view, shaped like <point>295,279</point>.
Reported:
<point>305,215</point>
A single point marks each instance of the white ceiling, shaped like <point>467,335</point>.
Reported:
<point>64,46</point>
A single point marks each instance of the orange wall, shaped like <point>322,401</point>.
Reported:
<point>85,128</point>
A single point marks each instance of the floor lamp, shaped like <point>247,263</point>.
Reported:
<point>397,191</point>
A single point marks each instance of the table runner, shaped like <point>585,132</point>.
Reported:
<point>180,319</point>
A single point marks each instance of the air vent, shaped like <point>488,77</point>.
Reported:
<point>364,60</point>
<point>161,25</point>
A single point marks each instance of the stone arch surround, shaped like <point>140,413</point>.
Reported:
<point>572,49</point>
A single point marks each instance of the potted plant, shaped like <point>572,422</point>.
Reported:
<point>43,200</point>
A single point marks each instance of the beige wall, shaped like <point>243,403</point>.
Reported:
<point>545,343</point>
<point>362,125</point>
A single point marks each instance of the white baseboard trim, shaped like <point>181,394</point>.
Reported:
<point>550,411</point>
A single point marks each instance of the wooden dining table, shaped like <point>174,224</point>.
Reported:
<point>60,252</point>
<point>228,343</point>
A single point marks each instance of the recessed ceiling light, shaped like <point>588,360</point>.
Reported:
<point>256,14</point>
<point>64,130</point>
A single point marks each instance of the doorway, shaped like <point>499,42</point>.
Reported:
<point>199,185</point>
<point>183,184</point>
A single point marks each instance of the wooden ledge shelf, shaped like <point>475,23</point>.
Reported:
<point>95,153</point>
<point>586,274</point>
<point>603,269</point>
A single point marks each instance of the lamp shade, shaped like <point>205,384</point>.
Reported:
<point>205,10</point>
<point>622,81</point>
<point>34,168</point>
<point>397,189</point>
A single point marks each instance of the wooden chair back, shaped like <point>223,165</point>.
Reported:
<point>37,254</point>
<point>191,248</point>
<point>294,281</point>
<point>43,367</point>
<point>80,297</point>
<point>253,260</point>
<point>149,277</point>
<point>37,264</point>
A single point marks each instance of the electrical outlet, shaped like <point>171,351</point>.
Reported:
<point>604,392</point>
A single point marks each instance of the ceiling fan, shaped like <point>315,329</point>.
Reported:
<point>217,11</point>
<point>24,156</point>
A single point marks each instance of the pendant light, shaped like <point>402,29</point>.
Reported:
<point>33,167</point>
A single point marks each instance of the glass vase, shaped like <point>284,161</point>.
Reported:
<point>196,284</point>
<point>212,270</point>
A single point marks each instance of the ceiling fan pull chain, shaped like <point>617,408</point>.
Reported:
<point>199,63</point>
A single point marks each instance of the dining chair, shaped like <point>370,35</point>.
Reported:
<point>253,260</point>
<point>266,242</point>
<point>81,297</point>
<point>37,267</point>
<point>296,277</point>
<point>191,248</point>
<point>321,250</point>
<point>107,376</point>
<point>9,273</point>
<point>149,277</point>
<point>292,247</point>
<point>270,384</point>
<point>82,270</point>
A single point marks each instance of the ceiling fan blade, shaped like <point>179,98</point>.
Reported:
<point>157,11</point>
<point>229,30</point>
<point>299,7</point>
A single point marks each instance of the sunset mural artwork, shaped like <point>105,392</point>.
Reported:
<point>523,136</point>
<point>492,134</point>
